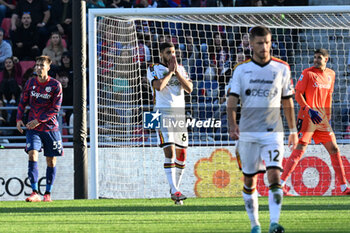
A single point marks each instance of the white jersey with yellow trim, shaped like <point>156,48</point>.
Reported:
<point>260,89</point>
<point>172,96</point>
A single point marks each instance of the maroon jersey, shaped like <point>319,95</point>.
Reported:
<point>44,100</point>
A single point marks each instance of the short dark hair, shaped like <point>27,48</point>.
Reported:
<point>322,51</point>
<point>259,31</point>
<point>166,45</point>
<point>44,58</point>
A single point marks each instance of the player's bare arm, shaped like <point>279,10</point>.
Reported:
<point>160,84</point>
<point>19,126</point>
<point>299,97</point>
<point>231,117</point>
<point>329,109</point>
<point>288,108</point>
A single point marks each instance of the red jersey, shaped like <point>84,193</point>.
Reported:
<point>316,85</point>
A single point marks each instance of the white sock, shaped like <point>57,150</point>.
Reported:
<point>275,204</point>
<point>283,183</point>
<point>180,168</point>
<point>169,168</point>
<point>252,207</point>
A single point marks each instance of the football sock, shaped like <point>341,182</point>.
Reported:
<point>282,182</point>
<point>33,174</point>
<point>50,178</point>
<point>275,202</point>
<point>250,197</point>
<point>169,168</point>
<point>291,163</point>
<point>180,167</point>
<point>338,167</point>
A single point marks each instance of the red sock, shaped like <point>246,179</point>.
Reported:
<point>291,163</point>
<point>338,168</point>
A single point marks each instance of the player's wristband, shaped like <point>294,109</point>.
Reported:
<point>292,131</point>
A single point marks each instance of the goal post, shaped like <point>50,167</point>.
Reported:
<point>124,159</point>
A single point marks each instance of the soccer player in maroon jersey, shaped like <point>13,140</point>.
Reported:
<point>44,96</point>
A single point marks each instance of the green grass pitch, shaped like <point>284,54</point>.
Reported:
<point>299,215</point>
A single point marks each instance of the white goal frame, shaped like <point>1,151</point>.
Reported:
<point>92,41</point>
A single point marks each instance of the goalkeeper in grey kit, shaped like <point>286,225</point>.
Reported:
<point>169,80</point>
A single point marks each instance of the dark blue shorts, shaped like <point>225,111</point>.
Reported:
<point>51,141</point>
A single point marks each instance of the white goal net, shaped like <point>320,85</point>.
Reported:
<point>125,160</point>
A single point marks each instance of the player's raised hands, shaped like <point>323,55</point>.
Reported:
<point>19,126</point>
<point>172,65</point>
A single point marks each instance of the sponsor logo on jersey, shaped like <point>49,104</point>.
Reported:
<point>321,85</point>
<point>40,95</point>
<point>173,82</point>
<point>261,92</point>
<point>301,77</point>
<point>261,81</point>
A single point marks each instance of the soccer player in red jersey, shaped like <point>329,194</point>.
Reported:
<point>314,95</point>
<point>44,96</point>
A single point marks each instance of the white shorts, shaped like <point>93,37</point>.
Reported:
<point>252,155</point>
<point>172,133</point>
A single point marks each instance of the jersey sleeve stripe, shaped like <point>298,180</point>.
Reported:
<point>280,61</point>
<point>240,63</point>
<point>234,94</point>
<point>287,97</point>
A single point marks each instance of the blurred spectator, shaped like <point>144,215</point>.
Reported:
<point>6,8</point>
<point>278,48</point>
<point>179,3</point>
<point>206,3</point>
<point>12,69</point>
<point>25,39</point>
<point>119,4</point>
<point>40,13</point>
<point>61,18</point>
<point>95,4</point>
<point>55,48</point>
<point>10,89</point>
<point>144,54</point>
<point>28,74</point>
<point>5,49</point>
<point>189,53</point>
<point>67,66</point>
<point>145,4</point>
<point>218,52</point>
<point>67,91</point>
<point>244,46</point>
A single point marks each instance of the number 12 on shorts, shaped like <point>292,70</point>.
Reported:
<point>273,155</point>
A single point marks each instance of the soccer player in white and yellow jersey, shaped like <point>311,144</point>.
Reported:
<point>169,80</point>
<point>261,83</point>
